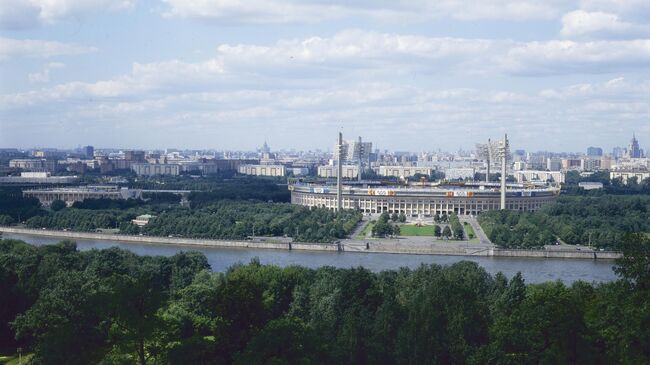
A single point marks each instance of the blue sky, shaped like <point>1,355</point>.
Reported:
<point>408,75</point>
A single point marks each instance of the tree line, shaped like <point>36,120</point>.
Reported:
<point>601,221</point>
<point>221,220</point>
<point>111,306</point>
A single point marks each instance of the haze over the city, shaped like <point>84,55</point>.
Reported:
<point>411,75</point>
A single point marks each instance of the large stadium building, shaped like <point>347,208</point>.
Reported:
<point>423,200</point>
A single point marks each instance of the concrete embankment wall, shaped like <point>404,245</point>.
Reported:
<point>556,254</point>
<point>420,250</point>
<point>455,250</point>
<point>172,240</point>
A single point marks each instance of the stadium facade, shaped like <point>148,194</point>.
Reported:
<point>417,200</point>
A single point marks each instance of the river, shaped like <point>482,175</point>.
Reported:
<point>533,270</point>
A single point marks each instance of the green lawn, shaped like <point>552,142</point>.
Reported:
<point>412,230</point>
<point>367,229</point>
<point>469,230</point>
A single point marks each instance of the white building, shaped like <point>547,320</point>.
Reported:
<point>590,185</point>
<point>349,171</point>
<point>537,176</point>
<point>149,169</point>
<point>625,175</point>
<point>460,173</point>
<point>403,171</point>
<point>553,164</point>
<point>262,170</point>
<point>299,171</point>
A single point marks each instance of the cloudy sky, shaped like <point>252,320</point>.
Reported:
<point>406,74</point>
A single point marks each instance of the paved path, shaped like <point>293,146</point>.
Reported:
<point>362,224</point>
<point>482,237</point>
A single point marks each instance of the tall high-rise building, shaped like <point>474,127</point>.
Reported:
<point>618,152</point>
<point>265,148</point>
<point>594,151</point>
<point>89,152</point>
<point>633,150</point>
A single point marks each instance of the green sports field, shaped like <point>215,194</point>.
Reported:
<point>412,230</point>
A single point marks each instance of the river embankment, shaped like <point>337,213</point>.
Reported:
<point>402,246</point>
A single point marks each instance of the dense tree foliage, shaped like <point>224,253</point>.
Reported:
<point>57,205</point>
<point>383,226</point>
<point>220,220</point>
<point>209,189</point>
<point>610,186</point>
<point>602,220</point>
<point>456,227</point>
<point>14,205</point>
<point>236,219</point>
<point>111,306</point>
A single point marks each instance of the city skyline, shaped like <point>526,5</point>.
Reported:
<point>265,148</point>
<point>407,76</point>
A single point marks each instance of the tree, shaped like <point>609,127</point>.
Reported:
<point>634,266</point>
<point>394,217</point>
<point>446,232</point>
<point>69,321</point>
<point>402,218</point>
<point>57,205</point>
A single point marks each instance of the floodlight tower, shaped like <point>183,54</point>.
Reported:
<point>502,151</point>
<point>486,151</point>
<point>360,157</point>
<point>339,170</point>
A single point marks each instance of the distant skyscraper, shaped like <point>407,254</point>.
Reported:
<point>633,150</point>
<point>594,151</point>
<point>89,152</point>
<point>617,152</point>
<point>265,148</point>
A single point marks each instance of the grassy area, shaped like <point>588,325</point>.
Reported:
<point>469,230</point>
<point>13,359</point>
<point>413,230</point>
<point>367,229</point>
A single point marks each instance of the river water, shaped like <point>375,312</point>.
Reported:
<point>534,270</point>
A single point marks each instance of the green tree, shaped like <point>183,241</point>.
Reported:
<point>57,205</point>
<point>634,266</point>
<point>69,322</point>
<point>446,232</point>
<point>437,231</point>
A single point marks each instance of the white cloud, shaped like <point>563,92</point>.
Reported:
<point>22,14</point>
<point>372,79</point>
<point>44,74</point>
<point>570,57</point>
<point>351,56</point>
<point>598,24</point>
<point>16,48</point>
<point>313,11</point>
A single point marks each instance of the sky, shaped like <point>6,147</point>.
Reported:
<point>414,75</point>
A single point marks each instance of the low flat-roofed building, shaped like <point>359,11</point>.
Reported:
<point>537,176</point>
<point>262,170</point>
<point>299,171</point>
<point>590,185</point>
<point>80,193</point>
<point>625,175</point>
<point>330,171</point>
<point>37,178</point>
<point>460,173</point>
<point>148,169</point>
<point>142,220</point>
<point>32,164</point>
<point>403,171</point>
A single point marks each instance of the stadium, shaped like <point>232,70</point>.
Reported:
<point>416,199</point>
